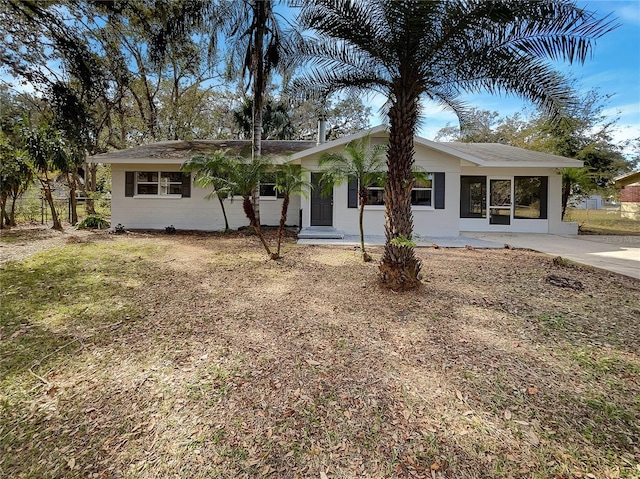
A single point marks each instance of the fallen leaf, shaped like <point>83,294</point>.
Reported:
<point>531,390</point>
<point>323,475</point>
<point>435,466</point>
<point>533,438</point>
<point>71,463</point>
<point>507,414</point>
<point>459,395</point>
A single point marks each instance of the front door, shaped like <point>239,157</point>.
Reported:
<point>500,202</point>
<point>321,206</point>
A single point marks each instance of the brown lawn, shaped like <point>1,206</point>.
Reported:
<point>149,355</point>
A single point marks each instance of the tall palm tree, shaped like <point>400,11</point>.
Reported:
<point>213,171</point>
<point>362,163</point>
<point>289,181</point>
<point>414,49</point>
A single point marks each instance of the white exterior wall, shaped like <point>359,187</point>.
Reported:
<point>426,221</point>
<point>194,213</point>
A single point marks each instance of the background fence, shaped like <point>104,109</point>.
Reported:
<point>35,209</point>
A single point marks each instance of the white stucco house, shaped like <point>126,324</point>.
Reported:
<point>471,187</point>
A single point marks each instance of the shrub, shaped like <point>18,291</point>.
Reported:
<point>93,222</point>
<point>170,229</point>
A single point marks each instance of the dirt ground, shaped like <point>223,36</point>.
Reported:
<point>216,362</point>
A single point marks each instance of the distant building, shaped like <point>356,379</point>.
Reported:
<point>630,195</point>
<point>591,202</point>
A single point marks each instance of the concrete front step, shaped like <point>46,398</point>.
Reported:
<point>320,232</point>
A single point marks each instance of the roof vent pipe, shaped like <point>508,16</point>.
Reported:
<point>322,129</point>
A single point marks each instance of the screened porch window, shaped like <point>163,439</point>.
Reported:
<point>530,197</point>
<point>473,197</point>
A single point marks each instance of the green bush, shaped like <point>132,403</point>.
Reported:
<point>93,222</point>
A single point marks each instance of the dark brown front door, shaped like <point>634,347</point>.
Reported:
<point>321,206</point>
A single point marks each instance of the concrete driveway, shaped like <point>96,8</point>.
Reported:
<point>619,254</point>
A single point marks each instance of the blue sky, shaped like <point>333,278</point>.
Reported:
<point>614,70</point>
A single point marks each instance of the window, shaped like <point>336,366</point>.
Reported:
<point>421,193</point>
<point>530,197</point>
<point>473,197</point>
<point>268,186</point>
<point>158,183</point>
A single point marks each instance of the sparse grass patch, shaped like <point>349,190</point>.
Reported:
<point>156,355</point>
<point>603,222</point>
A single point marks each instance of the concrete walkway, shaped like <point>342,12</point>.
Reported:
<point>618,254</point>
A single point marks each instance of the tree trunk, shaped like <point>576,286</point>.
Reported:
<point>12,214</point>
<point>224,213</point>
<point>89,187</point>
<point>247,206</point>
<point>73,200</point>
<point>283,220</point>
<point>3,212</point>
<point>399,268</point>
<point>363,201</point>
<point>566,193</point>
<point>259,85</point>
<point>46,187</point>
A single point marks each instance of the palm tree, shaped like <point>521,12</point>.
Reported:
<point>289,181</point>
<point>361,163</point>
<point>213,171</point>
<point>244,180</point>
<point>414,49</point>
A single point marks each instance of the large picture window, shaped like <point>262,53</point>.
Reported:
<point>530,194</point>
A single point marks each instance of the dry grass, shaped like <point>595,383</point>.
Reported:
<point>603,222</point>
<point>194,356</point>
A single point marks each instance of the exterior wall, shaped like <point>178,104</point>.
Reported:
<point>426,221</point>
<point>194,213</point>
<point>630,201</point>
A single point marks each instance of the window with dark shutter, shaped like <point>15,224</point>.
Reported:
<point>129,183</point>
<point>186,185</point>
<point>353,192</point>
<point>439,190</point>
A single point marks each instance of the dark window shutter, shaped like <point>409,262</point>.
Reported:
<point>438,180</point>
<point>129,183</point>
<point>186,185</point>
<point>544,193</point>
<point>353,192</point>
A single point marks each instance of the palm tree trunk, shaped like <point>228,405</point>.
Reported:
<point>224,213</point>
<point>247,205</point>
<point>363,201</point>
<point>399,268</point>
<point>283,220</point>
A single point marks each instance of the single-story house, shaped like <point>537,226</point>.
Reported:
<point>469,187</point>
<point>629,195</point>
